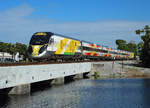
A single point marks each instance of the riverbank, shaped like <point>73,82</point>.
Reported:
<point>119,69</point>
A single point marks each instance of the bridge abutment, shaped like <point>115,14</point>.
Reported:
<point>78,76</point>
<point>20,90</point>
<point>57,81</point>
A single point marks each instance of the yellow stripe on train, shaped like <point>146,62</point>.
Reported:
<point>73,45</point>
<point>61,45</point>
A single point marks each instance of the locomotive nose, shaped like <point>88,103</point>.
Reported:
<point>35,51</point>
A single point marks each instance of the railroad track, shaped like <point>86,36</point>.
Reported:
<point>47,62</point>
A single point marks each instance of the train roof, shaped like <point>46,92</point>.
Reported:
<point>49,33</point>
<point>66,37</point>
<point>87,42</point>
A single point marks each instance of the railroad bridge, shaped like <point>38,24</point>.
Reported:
<point>20,77</point>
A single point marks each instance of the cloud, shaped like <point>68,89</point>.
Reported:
<point>17,25</point>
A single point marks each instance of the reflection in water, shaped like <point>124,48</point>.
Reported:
<point>112,93</point>
<point>4,97</point>
<point>3,100</point>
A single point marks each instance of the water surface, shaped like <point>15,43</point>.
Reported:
<point>87,93</point>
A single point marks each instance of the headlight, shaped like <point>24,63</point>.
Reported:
<point>30,50</point>
<point>43,48</point>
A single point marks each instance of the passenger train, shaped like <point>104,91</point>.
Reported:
<point>48,45</point>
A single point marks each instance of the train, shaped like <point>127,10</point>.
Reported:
<point>52,46</point>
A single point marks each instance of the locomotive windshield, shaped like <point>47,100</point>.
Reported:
<point>39,39</point>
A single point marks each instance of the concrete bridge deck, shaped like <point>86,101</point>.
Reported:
<point>20,75</point>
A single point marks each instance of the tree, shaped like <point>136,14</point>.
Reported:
<point>2,47</point>
<point>121,44</point>
<point>131,47</point>
<point>11,48</point>
<point>139,48</point>
<point>145,51</point>
<point>120,41</point>
<point>22,49</point>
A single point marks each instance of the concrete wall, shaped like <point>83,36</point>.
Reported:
<point>19,75</point>
<point>107,68</point>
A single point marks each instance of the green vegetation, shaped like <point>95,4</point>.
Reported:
<point>96,75</point>
<point>123,45</point>
<point>139,48</point>
<point>144,47</point>
<point>14,48</point>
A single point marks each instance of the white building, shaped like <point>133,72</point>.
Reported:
<point>5,55</point>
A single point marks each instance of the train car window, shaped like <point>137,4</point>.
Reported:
<point>80,48</point>
<point>75,44</point>
<point>39,39</point>
<point>112,52</point>
<point>51,40</point>
<point>94,49</point>
<point>103,51</point>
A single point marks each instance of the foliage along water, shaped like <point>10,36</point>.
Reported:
<point>87,93</point>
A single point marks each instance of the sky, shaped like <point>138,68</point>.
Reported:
<point>97,21</point>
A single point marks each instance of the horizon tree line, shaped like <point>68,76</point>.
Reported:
<point>14,48</point>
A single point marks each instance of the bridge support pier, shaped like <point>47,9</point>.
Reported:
<point>86,74</point>
<point>69,78</point>
<point>57,81</point>
<point>20,90</point>
<point>78,76</point>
